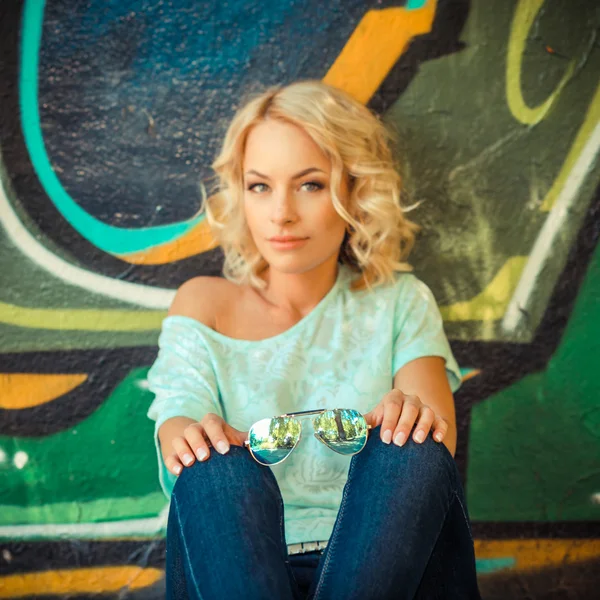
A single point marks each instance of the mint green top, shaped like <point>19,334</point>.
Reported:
<point>343,354</point>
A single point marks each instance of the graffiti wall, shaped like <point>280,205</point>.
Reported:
<point>110,115</point>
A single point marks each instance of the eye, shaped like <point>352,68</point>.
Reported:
<point>318,186</point>
<point>254,185</point>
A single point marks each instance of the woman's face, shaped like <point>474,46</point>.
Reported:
<point>287,192</point>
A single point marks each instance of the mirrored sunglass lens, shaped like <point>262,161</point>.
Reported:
<point>342,429</point>
<point>272,440</point>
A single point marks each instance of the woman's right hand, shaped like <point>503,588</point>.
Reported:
<point>196,439</point>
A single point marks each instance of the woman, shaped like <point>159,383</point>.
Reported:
<point>333,320</point>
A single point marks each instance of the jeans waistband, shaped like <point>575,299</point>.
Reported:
<point>306,547</point>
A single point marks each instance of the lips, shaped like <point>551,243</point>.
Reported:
<point>290,244</point>
<point>286,238</point>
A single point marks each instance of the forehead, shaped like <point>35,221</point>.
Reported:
<point>276,145</point>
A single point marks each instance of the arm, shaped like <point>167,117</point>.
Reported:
<point>424,371</point>
<point>191,300</point>
<point>426,378</point>
<point>182,378</point>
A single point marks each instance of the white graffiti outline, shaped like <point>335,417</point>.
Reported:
<point>553,225</point>
<point>142,295</point>
<point>149,526</point>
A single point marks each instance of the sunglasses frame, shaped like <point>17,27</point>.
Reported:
<point>305,413</point>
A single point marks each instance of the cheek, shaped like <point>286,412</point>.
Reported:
<point>334,221</point>
<point>331,220</point>
<point>252,214</point>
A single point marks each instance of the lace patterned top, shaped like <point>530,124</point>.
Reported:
<point>343,354</point>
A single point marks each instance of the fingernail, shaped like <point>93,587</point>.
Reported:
<point>188,459</point>
<point>400,438</point>
<point>177,469</point>
<point>222,447</point>
<point>420,436</point>
<point>387,436</point>
<point>438,437</point>
<point>202,453</point>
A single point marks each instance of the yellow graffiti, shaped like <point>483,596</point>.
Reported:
<point>529,555</point>
<point>524,16</point>
<point>26,390</point>
<point>77,581</point>
<point>532,554</point>
<point>81,319</point>
<point>199,239</point>
<point>472,373</point>
<point>375,46</point>
<point>592,118</point>
<point>490,304</point>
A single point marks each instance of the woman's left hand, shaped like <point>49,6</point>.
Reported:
<point>398,412</point>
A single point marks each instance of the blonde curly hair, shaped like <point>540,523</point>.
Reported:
<point>378,235</point>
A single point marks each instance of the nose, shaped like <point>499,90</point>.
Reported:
<point>283,209</point>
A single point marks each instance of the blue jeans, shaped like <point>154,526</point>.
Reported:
<point>402,531</point>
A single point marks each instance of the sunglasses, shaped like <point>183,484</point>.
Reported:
<point>343,430</point>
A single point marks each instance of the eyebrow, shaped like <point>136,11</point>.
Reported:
<point>296,176</point>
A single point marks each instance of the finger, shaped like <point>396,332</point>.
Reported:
<point>375,416</point>
<point>235,436</point>
<point>172,463</point>
<point>194,434</point>
<point>213,426</point>
<point>424,424</point>
<point>391,412</point>
<point>410,413</point>
<point>183,450</point>
<point>440,429</point>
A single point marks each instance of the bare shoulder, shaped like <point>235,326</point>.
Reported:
<point>201,298</point>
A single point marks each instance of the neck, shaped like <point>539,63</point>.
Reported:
<point>296,294</point>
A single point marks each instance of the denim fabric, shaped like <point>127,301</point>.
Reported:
<point>402,531</point>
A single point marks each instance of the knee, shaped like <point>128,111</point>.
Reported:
<point>430,462</point>
<point>231,475</point>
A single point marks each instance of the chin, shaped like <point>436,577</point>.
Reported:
<point>289,265</point>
